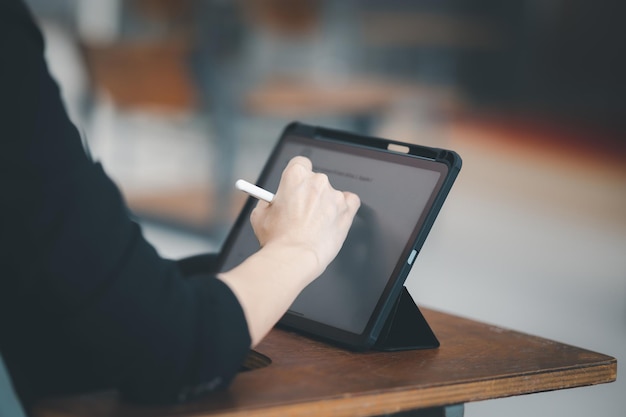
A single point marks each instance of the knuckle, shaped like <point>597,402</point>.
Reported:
<point>295,171</point>
<point>299,159</point>
<point>321,180</point>
<point>302,162</point>
<point>353,200</point>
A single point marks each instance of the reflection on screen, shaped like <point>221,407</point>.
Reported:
<point>393,197</point>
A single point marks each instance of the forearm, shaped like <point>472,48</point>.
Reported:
<point>268,282</point>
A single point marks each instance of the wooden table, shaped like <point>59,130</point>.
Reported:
<point>476,361</point>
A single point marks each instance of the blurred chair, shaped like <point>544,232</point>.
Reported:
<point>312,64</point>
<point>141,73</point>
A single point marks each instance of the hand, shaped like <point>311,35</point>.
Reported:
<point>300,233</point>
<point>306,213</point>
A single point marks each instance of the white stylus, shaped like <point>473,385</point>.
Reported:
<point>254,191</point>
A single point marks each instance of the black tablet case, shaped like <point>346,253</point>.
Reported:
<point>400,325</point>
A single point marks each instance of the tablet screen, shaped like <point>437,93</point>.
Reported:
<point>395,190</point>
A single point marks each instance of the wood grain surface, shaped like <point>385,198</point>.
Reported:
<point>306,377</point>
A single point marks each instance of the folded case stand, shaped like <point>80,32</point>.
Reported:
<point>406,328</point>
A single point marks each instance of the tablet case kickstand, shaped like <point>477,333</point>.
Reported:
<point>406,328</point>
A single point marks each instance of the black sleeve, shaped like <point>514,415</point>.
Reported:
<point>85,302</point>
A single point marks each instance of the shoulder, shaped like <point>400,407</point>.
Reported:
<point>17,21</point>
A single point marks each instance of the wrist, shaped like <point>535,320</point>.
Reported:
<point>301,263</point>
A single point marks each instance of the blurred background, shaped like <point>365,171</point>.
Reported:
<point>178,98</point>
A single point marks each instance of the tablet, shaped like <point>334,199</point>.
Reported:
<point>402,188</point>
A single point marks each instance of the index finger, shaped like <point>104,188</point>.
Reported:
<point>301,160</point>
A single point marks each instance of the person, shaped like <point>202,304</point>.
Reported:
<point>86,303</point>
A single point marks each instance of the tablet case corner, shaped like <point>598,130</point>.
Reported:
<point>406,328</point>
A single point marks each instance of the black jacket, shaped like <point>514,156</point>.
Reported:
<point>85,302</point>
